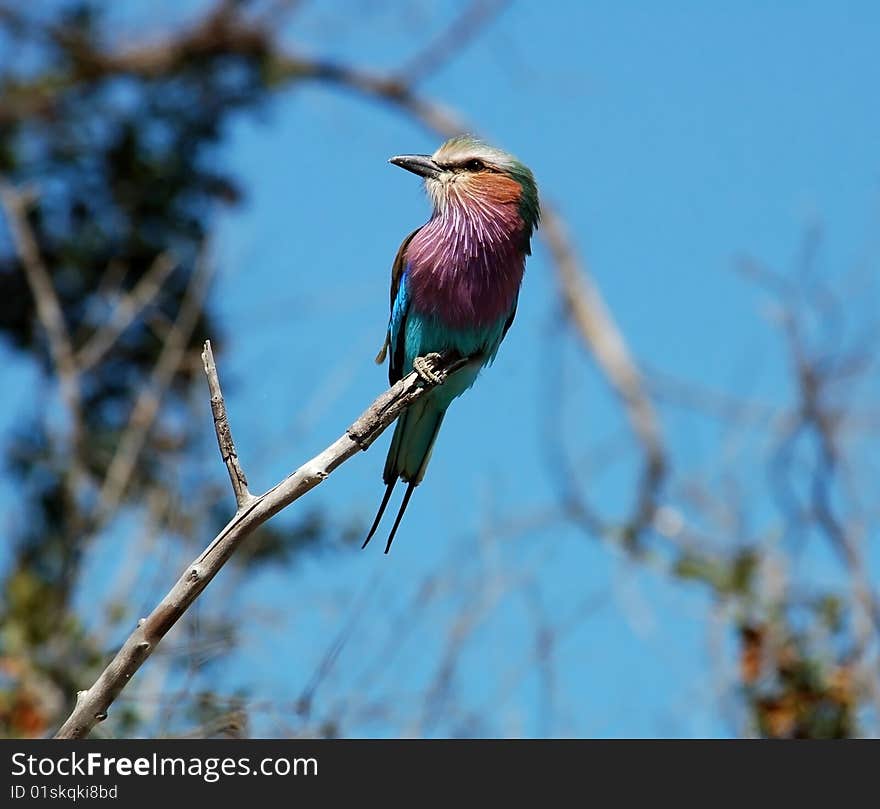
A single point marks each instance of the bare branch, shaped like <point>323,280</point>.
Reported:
<point>224,432</point>
<point>92,705</point>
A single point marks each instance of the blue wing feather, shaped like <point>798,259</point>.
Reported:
<point>397,326</point>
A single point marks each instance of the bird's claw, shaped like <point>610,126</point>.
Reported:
<point>423,366</point>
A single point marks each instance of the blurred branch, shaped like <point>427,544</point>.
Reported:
<point>15,204</point>
<point>147,405</point>
<point>599,332</point>
<point>126,311</point>
<point>472,21</point>
<point>223,30</point>
<point>92,705</point>
<point>717,404</point>
<point>328,660</point>
<point>801,301</point>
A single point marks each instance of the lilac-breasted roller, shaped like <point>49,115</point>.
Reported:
<point>454,288</point>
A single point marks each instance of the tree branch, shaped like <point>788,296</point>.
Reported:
<point>237,477</point>
<point>92,705</point>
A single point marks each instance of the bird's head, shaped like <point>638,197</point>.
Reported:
<point>465,172</point>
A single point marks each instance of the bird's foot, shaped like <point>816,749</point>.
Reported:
<point>424,367</point>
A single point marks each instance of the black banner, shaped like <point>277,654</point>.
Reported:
<point>140,772</point>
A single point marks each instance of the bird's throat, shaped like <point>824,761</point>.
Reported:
<point>466,264</point>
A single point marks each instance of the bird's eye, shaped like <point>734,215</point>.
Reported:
<point>474,165</point>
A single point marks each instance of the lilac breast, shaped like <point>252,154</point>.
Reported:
<point>466,265</point>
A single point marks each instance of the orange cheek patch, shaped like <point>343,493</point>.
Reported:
<point>498,188</point>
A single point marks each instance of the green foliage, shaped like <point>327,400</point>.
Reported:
<point>726,576</point>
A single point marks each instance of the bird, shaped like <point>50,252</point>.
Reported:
<point>455,283</point>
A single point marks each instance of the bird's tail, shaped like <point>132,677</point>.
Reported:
<point>413,440</point>
<point>408,456</point>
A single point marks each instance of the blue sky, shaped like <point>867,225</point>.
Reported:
<point>674,138</point>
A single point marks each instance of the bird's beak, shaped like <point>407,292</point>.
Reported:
<point>420,164</point>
